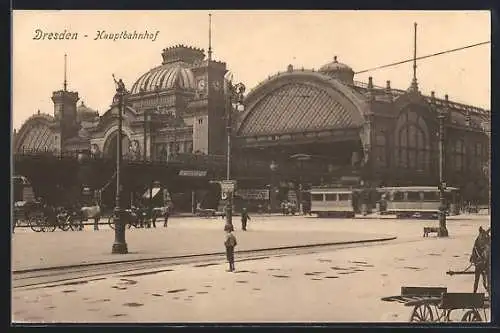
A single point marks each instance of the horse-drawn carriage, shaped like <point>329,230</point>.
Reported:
<point>48,219</point>
<point>140,217</point>
<point>23,211</point>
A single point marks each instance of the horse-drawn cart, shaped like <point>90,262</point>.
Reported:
<point>436,304</point>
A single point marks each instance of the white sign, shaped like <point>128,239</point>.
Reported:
<point>227,185</point>
<point>193,173</point>
<point>253,194</point>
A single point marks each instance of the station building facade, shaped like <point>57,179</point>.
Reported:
<point>299,128</point>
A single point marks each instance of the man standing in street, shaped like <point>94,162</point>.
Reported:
<point>230,244</point>
<point>244,219</point>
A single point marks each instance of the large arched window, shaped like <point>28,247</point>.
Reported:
<point>39,138</point>
<point>459,156</point>
<point>381,143</point>
<point>478,157</point>
<point>412,142</point>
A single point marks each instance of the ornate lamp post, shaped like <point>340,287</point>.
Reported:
<point>273,166</point>
<point>300,158</point>
<point>442,114</point>
<point>235,94</point>
<point>119,246</point>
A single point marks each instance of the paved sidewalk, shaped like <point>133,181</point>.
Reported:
<point>188,236</point>
<point>339,286</point>
<point>42,250</point>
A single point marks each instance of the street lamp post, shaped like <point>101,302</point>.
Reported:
<point>235,93</point>
<point>272,195</point>
<point>442,114</point>
<point>119,246</point>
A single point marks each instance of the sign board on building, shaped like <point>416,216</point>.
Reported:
<point>227,185</point>
<point>350,179</point>
<point>193,173</point>
<point>253,194</point>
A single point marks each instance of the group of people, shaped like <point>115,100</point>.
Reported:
<point>230,241</point>
<point>288,207</point>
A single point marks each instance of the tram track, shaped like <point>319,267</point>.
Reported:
<point>77,274</point>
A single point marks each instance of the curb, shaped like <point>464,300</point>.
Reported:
<point>30,270</point>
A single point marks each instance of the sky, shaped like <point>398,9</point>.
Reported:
<point>254,44</point>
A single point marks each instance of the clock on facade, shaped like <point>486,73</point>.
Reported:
<point>201,84</point>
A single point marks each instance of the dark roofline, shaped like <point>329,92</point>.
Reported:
<point>438,101</point>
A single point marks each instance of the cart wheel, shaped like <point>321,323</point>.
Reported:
<point>36,223</point>
<point>472,315</point>
<point>48,226</point>
<point>64,225</point>
<point>422,313</point>
<point>74,223</point>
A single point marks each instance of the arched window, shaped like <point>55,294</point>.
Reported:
<point>381,143</point>
<point>412,142</point>
<point>189,146</point>
<point>459,156</point>
<point>478,156</point>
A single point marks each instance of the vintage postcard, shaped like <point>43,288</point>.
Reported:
<point>250,166</point>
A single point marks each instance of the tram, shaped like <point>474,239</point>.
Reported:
<point>332,202</point>
<point>417,201</point>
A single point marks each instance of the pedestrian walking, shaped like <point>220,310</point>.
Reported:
<point>230,243</point>
<point>244,219</point>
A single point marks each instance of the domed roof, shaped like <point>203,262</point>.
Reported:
<point>335,66</point>
<point>85,113</point>
<point>167,76</point>
<point>339,71</point>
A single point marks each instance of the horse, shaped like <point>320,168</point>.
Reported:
<point>91,212</point>
<point>480,257</point>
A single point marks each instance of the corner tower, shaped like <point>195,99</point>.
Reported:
<point>65,109</point>
<point>209,122</point>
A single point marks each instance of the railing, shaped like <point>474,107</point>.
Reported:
<point>241,166</point>
<point>438,101</point>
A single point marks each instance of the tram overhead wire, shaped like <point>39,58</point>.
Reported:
<point>422,57</point>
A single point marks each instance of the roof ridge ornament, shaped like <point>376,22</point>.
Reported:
<point>414,83</point>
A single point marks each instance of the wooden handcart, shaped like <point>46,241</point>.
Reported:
<point>435,304</point>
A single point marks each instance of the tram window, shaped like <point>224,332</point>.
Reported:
<point>431,196</point>
<point>317,197</point>
<point>398,196</point>
<point>414,196</point>
<point>344,197</point>
<point>331,197</point>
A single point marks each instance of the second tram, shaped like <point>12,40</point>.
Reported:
<point>416,201</point>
